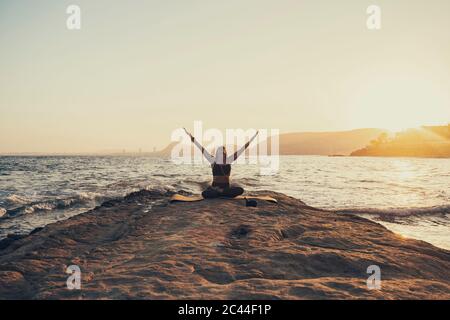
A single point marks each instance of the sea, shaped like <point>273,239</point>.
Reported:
<point>410,196</point>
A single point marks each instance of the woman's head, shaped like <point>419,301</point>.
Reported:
<point>221,155</point>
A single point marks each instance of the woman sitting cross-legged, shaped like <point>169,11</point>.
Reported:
<point>221,170</point>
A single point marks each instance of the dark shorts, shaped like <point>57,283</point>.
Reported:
<point>229,192</point>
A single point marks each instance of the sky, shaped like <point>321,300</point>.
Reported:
<point>137,70</point>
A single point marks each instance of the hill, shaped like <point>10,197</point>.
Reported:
<point>314,143</point>
<point>426,141</point>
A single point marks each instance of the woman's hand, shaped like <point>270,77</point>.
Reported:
<point>205,153</point>
<point>190,135</point>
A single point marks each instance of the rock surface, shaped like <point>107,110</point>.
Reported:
<point>142,247</point>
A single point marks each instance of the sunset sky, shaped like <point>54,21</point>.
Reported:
<point>139,69</point>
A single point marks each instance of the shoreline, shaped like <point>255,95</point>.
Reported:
<point>391,218</point>
<point>143,247</point>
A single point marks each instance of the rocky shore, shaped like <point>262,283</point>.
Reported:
<point>143,247</point>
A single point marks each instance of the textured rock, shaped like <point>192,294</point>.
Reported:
<point>142,247</point>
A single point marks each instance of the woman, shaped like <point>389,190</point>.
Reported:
<point>221,169</point>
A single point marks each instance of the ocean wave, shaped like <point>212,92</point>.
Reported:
<point>184,184</point>
<point>399,212</point>
<point>83,199</point>
<point>157,189</point>
<point>15,199</point>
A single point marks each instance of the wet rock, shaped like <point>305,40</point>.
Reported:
<point>221,249</point>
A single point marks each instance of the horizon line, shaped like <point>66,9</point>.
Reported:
<point>124,151</point>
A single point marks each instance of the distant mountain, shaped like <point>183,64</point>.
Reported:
<point>314,143</point>
<point>426,141</point>
<point>165,153</point>
<point>326,143</point>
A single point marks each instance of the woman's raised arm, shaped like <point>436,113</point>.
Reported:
<point>205,153</point>
<point>236,155</point>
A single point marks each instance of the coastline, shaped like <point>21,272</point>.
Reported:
<point>143,247</point>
